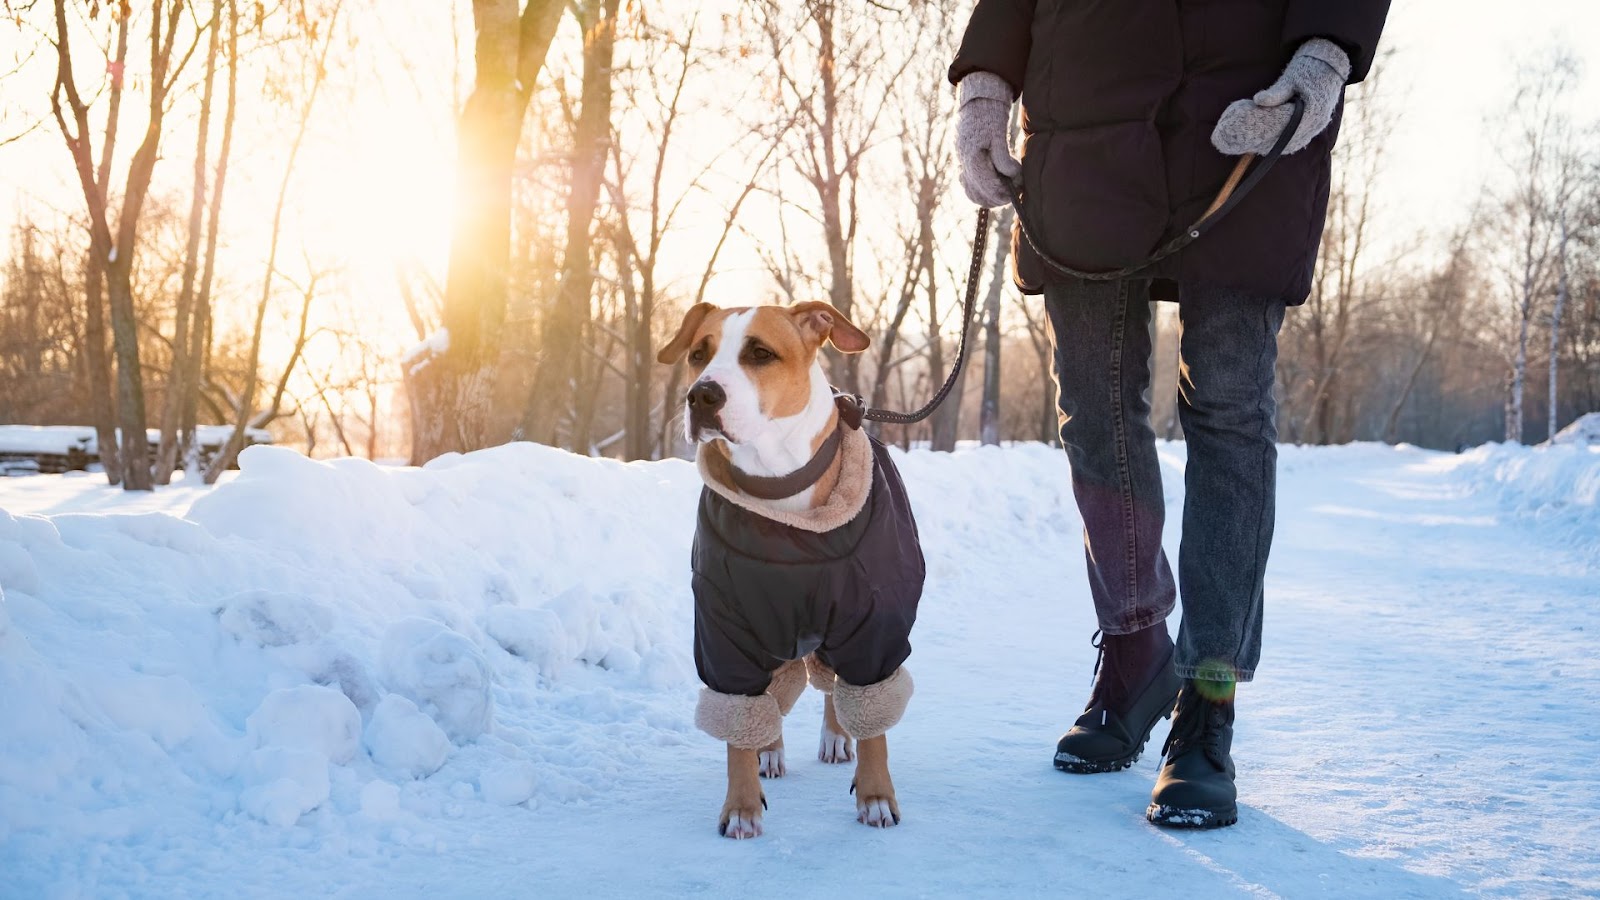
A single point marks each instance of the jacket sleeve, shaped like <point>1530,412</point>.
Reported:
<point>1352,24</point>
<point>997,40</point>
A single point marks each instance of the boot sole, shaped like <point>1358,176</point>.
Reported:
<point>1197,819</point>
<point>1074,765</point>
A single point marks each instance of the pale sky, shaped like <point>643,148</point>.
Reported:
<point>1453,64</point>
<point>376,176</point>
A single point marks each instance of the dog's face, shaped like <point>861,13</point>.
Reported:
<point>753,366</point>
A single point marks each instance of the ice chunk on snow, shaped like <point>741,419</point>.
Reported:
<point>272,619</point>
<point>308,717</point>
<point>401,738</point>
<point>282,784</point>
<point>534,634</point>
<point>442,672</point>
<point>380,801</point>
<point>510,783</point>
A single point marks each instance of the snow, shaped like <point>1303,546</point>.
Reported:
<point>435,344</point>
<point>321,676</point>
<point>58,439</point>
<point>1585,429</point>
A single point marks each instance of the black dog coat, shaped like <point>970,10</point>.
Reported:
<point>766,592</point>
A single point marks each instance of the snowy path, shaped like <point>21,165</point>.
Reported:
<point>1426,721</point>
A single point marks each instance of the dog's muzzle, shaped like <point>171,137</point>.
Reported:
<point>703,405</point>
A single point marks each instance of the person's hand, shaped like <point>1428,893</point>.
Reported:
<point>1316,75</point>
<point>983,139</point>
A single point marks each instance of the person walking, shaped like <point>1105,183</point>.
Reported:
<point>1131,113</point>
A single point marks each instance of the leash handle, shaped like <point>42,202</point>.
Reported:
<point>1246,174</point>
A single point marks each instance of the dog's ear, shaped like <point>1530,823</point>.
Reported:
<point>679,345</point>
<point>820,322</point>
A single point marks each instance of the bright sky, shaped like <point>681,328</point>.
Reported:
<point>375,180</point>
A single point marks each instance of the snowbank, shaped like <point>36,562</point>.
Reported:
<point>334,645</point>
<point>327,665</point>
<point>1553,488</point>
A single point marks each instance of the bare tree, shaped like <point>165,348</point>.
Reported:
<point>245,415</point>
<point>1540,161</point>
<point>172,410</point>
<point>562,335</point>
<point>834,71</point>
<point>450,388</point>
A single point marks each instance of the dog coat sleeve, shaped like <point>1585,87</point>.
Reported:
<point>725,664</point>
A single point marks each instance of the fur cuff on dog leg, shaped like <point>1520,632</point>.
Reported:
<point>788,683</point>
<point>866,712</point>
<point>822,677</point>
<point>748,723</point>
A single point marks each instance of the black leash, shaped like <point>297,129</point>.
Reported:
<point>1240,183</point>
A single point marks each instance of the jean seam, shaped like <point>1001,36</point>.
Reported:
<point>1261,513</point>
<point>1120,430</point>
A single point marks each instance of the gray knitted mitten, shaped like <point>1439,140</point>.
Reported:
<point>1316,74</point>
<point>983,139</point>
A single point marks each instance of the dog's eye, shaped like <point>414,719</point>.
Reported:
<point>698,356</point>
<point>762,354</point>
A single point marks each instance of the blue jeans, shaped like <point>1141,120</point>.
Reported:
<point>1228,348</point>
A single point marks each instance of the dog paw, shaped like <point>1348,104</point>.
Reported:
<point>835,748</point>
<point>739,824</point>
<point>772,763</point>
<point>878,812</point>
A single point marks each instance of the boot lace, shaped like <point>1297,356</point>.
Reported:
<point>1197,724</point>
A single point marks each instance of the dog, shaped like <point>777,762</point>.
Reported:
<point>806,562</point>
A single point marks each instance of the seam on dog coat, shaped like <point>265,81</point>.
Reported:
<point>767,592</point>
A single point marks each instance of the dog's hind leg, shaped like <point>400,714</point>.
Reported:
<point>788,682</point>
<point>835,746</point>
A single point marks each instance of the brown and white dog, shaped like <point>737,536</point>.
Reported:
<point>794,498</point>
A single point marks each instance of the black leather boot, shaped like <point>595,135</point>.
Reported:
<point>1134,687</point>
<point>1195,788</point>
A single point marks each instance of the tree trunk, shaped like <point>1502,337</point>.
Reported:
<point>102,409</point>
<point>449,386</point>
<point>1555,327</point>
<point>177,376</point>
<point>200,334</point>
<point>989,414</point>
<point>230,450</point>
<point>561,338</point>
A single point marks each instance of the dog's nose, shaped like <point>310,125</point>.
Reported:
<point>707,397</point>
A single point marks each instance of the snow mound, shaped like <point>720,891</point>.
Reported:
<point>1554,489</point>
<point>441,671</point>
<point>1583,431</point>
<point>284,784</point>
<point>271,619</point>
<point>308,717</point>
<point>402,739</point>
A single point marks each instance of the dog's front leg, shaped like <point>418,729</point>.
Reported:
<point>874,789</point>
<point>741,812</point>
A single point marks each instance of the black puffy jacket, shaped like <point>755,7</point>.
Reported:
<point>1119,99</point>
<point>766,592</point>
